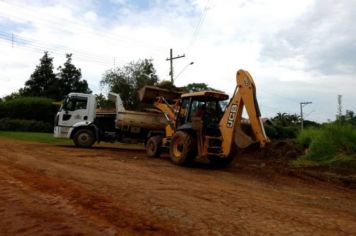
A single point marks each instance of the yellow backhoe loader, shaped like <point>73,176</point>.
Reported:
<point>198,126</point>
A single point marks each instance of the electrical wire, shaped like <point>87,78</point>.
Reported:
<point>75,27</point>
<point>51,51</point>
<point>198,26</point>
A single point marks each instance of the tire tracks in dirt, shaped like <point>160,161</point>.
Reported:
<point>100,211</point>
<point>55,190</point>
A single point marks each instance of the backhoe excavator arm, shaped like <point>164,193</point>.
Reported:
<point>244,95</point>
<point>169,112</point>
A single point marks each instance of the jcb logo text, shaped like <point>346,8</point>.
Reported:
<point>232,116</point>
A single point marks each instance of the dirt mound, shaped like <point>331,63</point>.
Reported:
<point>275,161</point>
<point>279,151</point>
<point>284,149</point>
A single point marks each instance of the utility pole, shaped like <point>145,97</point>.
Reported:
<point>302,104</point>
<point>171,58</point>
<point>339,107</point>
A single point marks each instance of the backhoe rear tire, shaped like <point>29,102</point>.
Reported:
<point>183,148</point>
<point>84,138</point>
<point>154,146</point>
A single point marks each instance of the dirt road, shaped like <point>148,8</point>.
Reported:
<point>62,190</point>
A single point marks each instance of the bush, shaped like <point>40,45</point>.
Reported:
<point>306,136</point>
<point>281,132</point>
<point>271,131</point>
<point>7,124</point>
<point>29,108</point>
<point>333,144</point>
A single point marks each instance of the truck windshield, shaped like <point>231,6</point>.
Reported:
<point>75,103</point>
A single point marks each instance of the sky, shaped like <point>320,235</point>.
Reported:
<point>296,51</point>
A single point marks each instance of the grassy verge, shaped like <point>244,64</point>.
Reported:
<point>48,138</point>
<point>35,137</point>
<point>332,146</point>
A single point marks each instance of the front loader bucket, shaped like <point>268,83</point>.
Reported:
<point>148,94</point>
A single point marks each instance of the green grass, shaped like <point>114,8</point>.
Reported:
<point>48,138</point>
<point>35,137</point>
<point>331,146</point>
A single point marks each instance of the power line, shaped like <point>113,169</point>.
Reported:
<point>54,51</point>
<point>75,27</point>
<point>21,41</point>
<point>199,25</point>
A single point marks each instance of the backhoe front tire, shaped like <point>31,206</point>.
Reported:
<point>84,138</point>
<point>154,146</point>
<point>183,148</point>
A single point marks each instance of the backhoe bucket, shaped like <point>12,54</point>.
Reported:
<point>241,139</point>
<point>148,94</point>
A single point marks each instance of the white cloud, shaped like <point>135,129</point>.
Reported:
<point>295,50</point>
<point>324,36</point>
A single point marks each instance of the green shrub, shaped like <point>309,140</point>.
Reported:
<point>271,131</point>
<point>333,144</point>
<point>8,124</point>
<point>29,108</point>
<point>305,137</point>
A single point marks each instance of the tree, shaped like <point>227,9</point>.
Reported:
<point>45,83</point>
<point>69,79</point>
<point>348,118</point>
<point>12,96</point>
<point>167,84</point>
<point>285,119</point>
<point>127,80</point>
<point>103,102</point>
<point>194,87</point>
<point>42,80</point>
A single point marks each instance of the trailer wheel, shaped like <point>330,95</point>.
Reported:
<point>84,138</point>
<point>183,149</point>
<point>153,146</point>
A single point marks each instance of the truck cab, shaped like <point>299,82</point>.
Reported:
<point>77,110</point>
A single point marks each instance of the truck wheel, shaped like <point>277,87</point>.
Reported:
<point>183,149</point>
<point>153,146</point>
<point>220,162</point>
<point>84,138</point>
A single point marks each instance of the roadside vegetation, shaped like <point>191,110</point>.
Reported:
<point>330,146</point>
<point>34,137</point>
<point>333,146</point>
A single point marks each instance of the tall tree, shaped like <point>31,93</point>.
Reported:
<point>42,80</point>
<point>127,80</point>
<point>69,79</point>
<point>45,83</point>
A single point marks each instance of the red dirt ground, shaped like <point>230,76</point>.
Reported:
<point>62,190</point>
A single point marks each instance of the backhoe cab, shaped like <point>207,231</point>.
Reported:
<point>202,125</point>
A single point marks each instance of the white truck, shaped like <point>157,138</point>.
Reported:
<point>80,120</point>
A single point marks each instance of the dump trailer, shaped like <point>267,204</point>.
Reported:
<point>80,120</point>
<point>199,127</point>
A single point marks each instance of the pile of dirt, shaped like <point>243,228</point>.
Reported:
<point>285,150</point>
<point>279,151</point>
<point>276,160</point>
